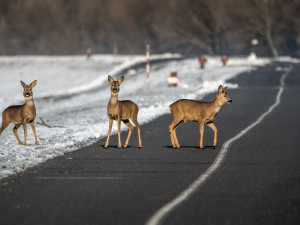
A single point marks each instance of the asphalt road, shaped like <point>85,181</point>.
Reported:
<point>257,183</point>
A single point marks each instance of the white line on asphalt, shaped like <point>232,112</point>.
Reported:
<point>158,217</point>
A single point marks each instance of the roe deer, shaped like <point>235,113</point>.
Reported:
<point>21,114</point>
<point>121,111</point>
<point>203,112</point>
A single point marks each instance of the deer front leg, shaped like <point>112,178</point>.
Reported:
<point>25,133</point>
<point>109,130</point>
<point>213,127</point>
<point>119,132</point>
<point>33,129</point>
<point>201,125</point>
<point>16,134</point>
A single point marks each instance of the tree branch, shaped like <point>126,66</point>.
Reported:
<point>46,125</point>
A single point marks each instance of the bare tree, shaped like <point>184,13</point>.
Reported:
<point>261,15</point>
<point>189,26</point>
<point>193,24</point>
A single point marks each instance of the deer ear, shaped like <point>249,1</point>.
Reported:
<point>225,88</point>
<point>32,85</point>
<point>220,89</point>
<point>121,79</point>
<point>23,84</point>
<point>110,79</point>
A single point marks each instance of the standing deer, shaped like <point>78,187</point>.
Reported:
<point>21,114</point>
<point>121,111</point>
<point>203,112</point>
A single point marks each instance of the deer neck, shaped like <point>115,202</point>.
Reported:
<point>216,104</point>
<point>113,99</point>
<point>29,102</point>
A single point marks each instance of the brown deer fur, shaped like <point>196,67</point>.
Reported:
<point>202,112</point>
<point>21,114</point>
<point>121,111</point>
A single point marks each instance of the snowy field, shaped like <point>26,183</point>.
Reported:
<point>73,92</point>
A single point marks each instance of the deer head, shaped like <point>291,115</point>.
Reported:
<point>222,96</point>
<point>115,85</point>
<point>27,93</point>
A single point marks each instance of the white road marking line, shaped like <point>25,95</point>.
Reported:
<point>158,217</point>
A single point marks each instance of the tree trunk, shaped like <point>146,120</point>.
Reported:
<point>269,22</point>
<point>209,50</point>
<point>271,43</point>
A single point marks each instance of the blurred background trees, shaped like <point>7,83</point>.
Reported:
<point>222,27</point>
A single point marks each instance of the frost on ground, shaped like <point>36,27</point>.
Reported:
<point>73,92</point>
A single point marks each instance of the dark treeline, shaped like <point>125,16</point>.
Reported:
<point>183,26</point>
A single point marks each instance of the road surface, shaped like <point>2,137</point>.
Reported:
<point>256,182</point>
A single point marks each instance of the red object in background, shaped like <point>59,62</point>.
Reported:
<point>224,60</point>
<point>173,74</point>
<point>173,80</point>
<point>202,61</point>
<point>88,53</point>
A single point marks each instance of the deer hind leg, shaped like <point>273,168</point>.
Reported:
<point>134,120</point>
<point>174,133</point>
<point>174,124</point>
<point>130,128</point>
<point>16,134</point>
<point>4,125</point>
<point>109,131</point>
<point>201,125</point>
<point>25,133</point>
<point>171,128</point>
<point>213,127</point>
<point>33,129</point>
<point>119,132</point>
